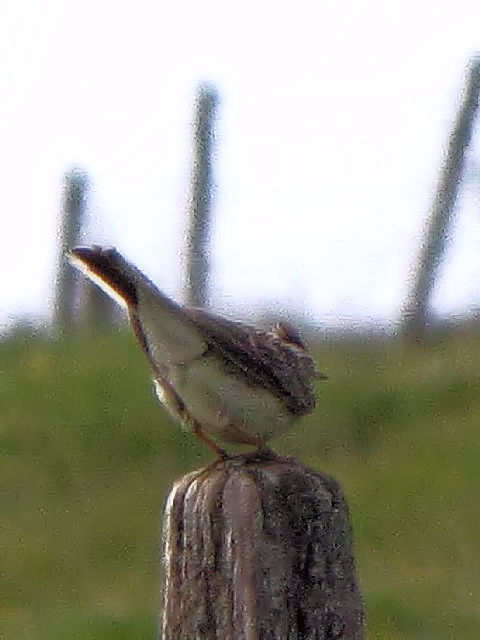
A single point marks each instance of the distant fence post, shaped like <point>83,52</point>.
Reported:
<point>74,200</point>
<point>198,233</point>
<point>259,549</point>
<point>433,243</point>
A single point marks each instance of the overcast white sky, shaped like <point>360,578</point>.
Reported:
<point>332,121</point>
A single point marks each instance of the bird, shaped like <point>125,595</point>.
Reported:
<point>223,379</point>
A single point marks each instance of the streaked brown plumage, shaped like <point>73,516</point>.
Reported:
<point>222,378</point>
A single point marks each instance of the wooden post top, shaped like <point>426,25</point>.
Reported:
<point>259,546</point>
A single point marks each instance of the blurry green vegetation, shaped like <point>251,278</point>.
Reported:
<point>88,457</point>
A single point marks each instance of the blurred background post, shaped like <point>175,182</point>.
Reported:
<point>418,314</point>
<point>75,189</point>
<point>199,222</point>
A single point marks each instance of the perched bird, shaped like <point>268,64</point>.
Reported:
<point>221,378</point>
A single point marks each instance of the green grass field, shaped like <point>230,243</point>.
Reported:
<point>88,457</point>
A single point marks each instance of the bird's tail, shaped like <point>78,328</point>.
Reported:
<point>110,271</point>
<point>165,332</point>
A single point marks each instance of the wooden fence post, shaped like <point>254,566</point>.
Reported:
<point>75,188</point>
<point>198,232</point>
<point>438,227</point>
<point>259,547</point>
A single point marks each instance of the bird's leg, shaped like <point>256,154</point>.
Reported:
<point>170,398</point>
<point>198,431</point>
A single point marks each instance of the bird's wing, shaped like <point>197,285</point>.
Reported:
<point>166,333</point>
<point>261,359</point>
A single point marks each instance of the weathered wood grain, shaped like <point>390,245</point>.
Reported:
<point>259,547</point>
